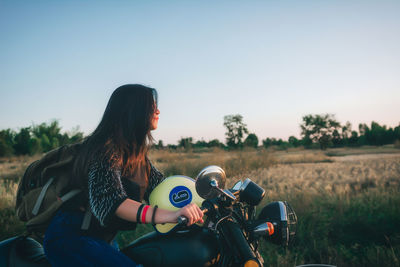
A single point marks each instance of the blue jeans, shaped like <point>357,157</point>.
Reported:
<point>66,245</point>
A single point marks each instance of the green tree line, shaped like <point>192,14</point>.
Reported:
<point>36,139</point>
<point>325,131</point>
<point>317,131</point>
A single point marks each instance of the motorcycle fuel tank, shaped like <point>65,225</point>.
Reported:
<point>196,247</point>
<point>174,193</point>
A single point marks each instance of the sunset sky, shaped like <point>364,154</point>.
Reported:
<point>270,61</point>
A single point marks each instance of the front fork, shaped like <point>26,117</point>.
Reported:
<point>243,254</point>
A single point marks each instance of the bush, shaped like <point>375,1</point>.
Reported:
<point>36,139</point>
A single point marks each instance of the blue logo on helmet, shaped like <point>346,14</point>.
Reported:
<point>180,196</point>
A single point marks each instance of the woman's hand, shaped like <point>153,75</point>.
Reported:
<point>192,212</point>
<point>128,211</point>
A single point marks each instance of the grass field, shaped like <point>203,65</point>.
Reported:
<point>347,200</point>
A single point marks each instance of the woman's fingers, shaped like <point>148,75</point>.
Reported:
<point>198,212</point>
<point>193,213</point>
<point>191,216</point>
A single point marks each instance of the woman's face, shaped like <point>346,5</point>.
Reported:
<point>154,120</point>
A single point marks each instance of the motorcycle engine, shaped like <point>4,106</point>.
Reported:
<point>284,219</point>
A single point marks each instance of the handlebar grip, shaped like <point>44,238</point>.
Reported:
<point>182,220</point>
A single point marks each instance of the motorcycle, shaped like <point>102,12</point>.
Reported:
<point>229,236</point>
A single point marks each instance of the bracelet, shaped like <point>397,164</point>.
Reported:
<point>154,215</point>
<point>144,213</point>
<point>138,213</point>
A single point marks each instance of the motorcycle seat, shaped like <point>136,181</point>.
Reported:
<point>22,251</point>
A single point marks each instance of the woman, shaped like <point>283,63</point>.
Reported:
<point>115,174</point>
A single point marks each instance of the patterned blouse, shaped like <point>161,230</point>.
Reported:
<point>108,189</point>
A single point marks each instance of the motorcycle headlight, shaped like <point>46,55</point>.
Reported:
<point>251,193</point>
<point>284,219</point>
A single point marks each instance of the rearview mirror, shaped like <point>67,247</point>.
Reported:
<point>209,178</point>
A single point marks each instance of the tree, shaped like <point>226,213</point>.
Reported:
<point>346,131</point>
<point>319,128</point>
<point>186,142</point>
<point>268,142</point>
<point>6,142</point>
<point>376,135</point>
<point>235,130</point>
<point>396,133</point>
<point>201,144</point>
<point>215,143</point>
<point>293,141</point>
<point>279,143</point>
<point>74,136</point>
<point>172,147</point>
<point>337,140</point>
<point>48,135</point>
<point>251,140</point>
<point>36,139</point>
<point>160,144</point>
<point>362,129</point>
<point>353,140</point>
<point>22,142</point>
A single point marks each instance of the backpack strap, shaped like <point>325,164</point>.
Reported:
<point>40,198</point>
<point>86,219</point>
<point>70,194</point>
<point>88,214</point>
<point>42,194</point>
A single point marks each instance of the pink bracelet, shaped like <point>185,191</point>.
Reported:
<point>144,213</point>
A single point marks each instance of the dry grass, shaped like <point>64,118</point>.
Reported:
<point>301,156</point>
<point>8,191</point>
<point>365,150</point>
<point>339,178</point>
<point>190,164</point>
<point>332,192</point>
<point>11,171</point>
<point>280,173</point>
<point>14,167</point>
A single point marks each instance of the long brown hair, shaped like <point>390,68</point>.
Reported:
<point>123,135</point>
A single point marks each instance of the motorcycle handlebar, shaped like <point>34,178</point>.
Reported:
<point>182,220</point>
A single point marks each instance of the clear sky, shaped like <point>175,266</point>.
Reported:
<point>270,61</point>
